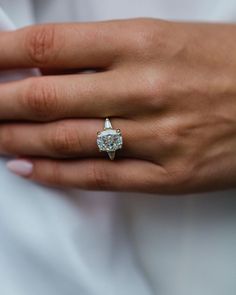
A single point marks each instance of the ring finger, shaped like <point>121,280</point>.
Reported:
<point>71,138</point>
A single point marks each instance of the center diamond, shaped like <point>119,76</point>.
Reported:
<point>109,140</point>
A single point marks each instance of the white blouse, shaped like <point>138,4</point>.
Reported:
<point>69,242</point>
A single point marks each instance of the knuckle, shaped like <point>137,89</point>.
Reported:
<point>6,140</point>
<point>152,91</point>
<point>98,178</point>
<point>53,173</point>
<point>40,98</point>
<point>144,42</point>
<point>153,85</point>
<point>40,43</point>
<point>148,36</point>
<point>179,177</point>
<point>169,137</point>
<point>65,140</point>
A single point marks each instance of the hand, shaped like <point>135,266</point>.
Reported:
<point>169,87</point>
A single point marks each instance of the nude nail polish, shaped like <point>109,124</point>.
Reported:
<point>20,167</point>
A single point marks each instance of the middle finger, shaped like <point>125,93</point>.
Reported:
<point>105,94</point>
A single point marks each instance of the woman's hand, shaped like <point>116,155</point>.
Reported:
<point>169,87</point>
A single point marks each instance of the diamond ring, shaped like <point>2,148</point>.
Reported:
<point>109,140</point>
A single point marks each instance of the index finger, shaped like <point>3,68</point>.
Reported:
<point>74,45</point>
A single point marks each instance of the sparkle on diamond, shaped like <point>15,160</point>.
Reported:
<point>109,140</point>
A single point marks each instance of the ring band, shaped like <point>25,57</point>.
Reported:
<point>109,140</point>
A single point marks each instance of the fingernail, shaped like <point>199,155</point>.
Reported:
<point>20,167</point>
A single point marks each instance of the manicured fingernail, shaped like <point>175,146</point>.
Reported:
<point>20,167</point>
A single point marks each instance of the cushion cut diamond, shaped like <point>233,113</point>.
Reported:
<point>109,140</point>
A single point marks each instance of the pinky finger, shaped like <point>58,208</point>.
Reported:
<point>93,174</point>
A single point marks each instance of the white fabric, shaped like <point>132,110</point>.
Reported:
<point>67,242</point>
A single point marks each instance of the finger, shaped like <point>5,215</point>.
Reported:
<point>70,138</point>
<point>74,45</point>
<point>94,174</point>
<point>85,95</point>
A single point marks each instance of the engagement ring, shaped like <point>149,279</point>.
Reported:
<point>109,140</point>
